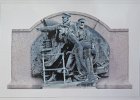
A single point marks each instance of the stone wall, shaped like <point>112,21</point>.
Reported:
<point>22,40</point>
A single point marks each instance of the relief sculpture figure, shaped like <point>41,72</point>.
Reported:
<point>60,31</point>
<point>85,51</point>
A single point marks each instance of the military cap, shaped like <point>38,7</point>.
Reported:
<point>66,15</point>
<point>81,20</point>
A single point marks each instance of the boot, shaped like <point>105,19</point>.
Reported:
<point>52,78</point>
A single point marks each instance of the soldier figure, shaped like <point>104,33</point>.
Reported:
<point>81,38</point>
<point>85,51</point>
<point>61,33</point>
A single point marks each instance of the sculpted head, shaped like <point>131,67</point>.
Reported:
<point>81,23</point>
<point>65,17</point>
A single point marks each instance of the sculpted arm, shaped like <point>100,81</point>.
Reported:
<point>73,38</point>
<point>48,28</point>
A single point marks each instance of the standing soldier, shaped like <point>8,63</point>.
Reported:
<point>81,38</point>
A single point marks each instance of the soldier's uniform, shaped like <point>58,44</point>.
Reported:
<point>61,31</point>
